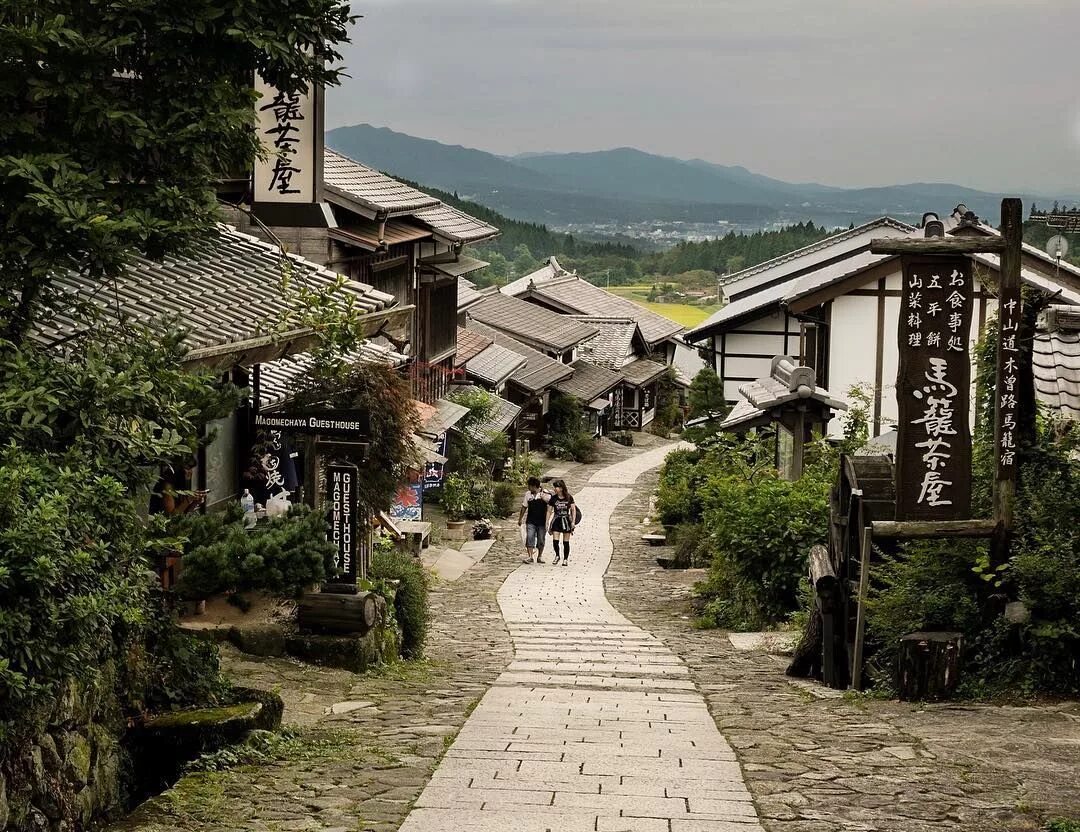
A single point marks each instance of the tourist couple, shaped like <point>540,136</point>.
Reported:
<point>542,512</point>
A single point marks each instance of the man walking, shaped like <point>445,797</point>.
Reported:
<point>533,516</point>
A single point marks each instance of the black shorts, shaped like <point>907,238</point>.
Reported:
<point>561,525</point>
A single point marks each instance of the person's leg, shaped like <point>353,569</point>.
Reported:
<point>540,541</point>
<point>555,540</point>
<point>530,542</point>
<point>566,548</point>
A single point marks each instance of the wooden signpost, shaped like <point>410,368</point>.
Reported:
<point>933,445</point>
<point>933,456</point>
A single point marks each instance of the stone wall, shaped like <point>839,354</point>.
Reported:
<point>73,770</point>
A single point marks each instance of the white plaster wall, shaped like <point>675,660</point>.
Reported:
<point>852,346</point>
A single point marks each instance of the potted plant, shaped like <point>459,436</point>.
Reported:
<point>481,529</point>
<point>455,493</point>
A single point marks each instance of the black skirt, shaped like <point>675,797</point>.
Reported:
<point>561,525</point>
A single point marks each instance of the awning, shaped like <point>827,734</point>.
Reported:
<point>462,266</point>
<point>446,414</point>
<point>366,235</point>
<point>427,450</point>
<point>599,405</point>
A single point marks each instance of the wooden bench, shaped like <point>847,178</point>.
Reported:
<point>417,534</point>
<point>655,539</point>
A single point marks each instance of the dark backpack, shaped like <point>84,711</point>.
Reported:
<point>577,514</point>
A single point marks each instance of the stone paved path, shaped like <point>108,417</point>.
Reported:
<point>595,725</point>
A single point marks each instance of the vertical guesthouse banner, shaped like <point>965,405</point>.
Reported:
<point>342,527</point>
<point>933,390</point>
<point>286,127</point>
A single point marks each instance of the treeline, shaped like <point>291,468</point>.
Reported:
<point>523,246</point>
<point>733,252</point>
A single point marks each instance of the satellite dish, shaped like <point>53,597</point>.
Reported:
<point>1057,246</point>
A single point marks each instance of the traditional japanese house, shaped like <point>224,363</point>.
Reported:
<point>502,417</point>
<point>530,385</point>
<point>493,367</point>
<point>1056,360</point>
<point>552,287</point>
<point>595,388</point>
<point>542,329</point>
<point>621,347</point>
<point>225,292</point>
<point>835,307</point>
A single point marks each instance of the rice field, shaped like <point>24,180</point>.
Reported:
<point>681,313</point>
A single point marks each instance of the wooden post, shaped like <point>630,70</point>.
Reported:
<point>1006,384</point>
<point>799,437</point>
<point>860,619</point>
<point>311,473</point>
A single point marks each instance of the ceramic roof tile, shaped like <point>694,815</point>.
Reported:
<point>613,346</point>
<point>549,271</point>
<point>642,371</point>
<point>372,189</point>
<point>456,225</point>
<point>225,288</point>
<point>494,365</point>
<point>467,294</point>
<point>577,296</point>
<point>589,382</point>
<point>539,371</point>
<point>276,378</point>
<point>1056,360</point>
<point>469,345</point>
<point>531,323</point>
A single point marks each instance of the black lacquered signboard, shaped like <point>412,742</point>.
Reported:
<point>933,448</point>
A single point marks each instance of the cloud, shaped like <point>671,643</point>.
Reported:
<point>843,91</point>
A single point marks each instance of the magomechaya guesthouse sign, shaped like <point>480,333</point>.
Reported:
<point>341,423</point>
<point>933,449</point>
<point>342,531</point>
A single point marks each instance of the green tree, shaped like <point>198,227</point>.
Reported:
<point>120,118</point>
<point>524,262</point>
<point>706,397</point>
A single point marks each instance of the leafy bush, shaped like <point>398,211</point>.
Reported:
<point>454,496</point>
<point>760,532</point>
<point>567,437</point>
<point>79,442</point>
<point>523,467</point>
<point>624,437</point>
<point>678,499</point>
<point>506,499</point>
<point>403,581</point>
<point>289,555</point>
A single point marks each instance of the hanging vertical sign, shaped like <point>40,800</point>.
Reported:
<point>342,531</point>
<point>287,129</point>
<point>933,447</point>
<point>1007,387</point>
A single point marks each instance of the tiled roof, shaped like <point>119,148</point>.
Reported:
<point>494,365</point>
<point>462,266</point>
<point>589,382</point>
<point>225,289</point>
<point>530,323</point>
<point>577,296</point>
<point>366,233</point>
<point>469,345</point>
<point>549,271</point>
<point>276,378</point>
<point>373,190</point>
<point>539,371</point>
<point>502,415</point>
<point>849,240</point>
<point>436,420</point>
<point>764,395</point>
<point>455,225</point>
<point>1056,360</point>
<point>642,371</point>
<point>613,346</point>
<point>467,294</point>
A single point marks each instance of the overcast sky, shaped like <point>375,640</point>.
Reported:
<point>983,93</point>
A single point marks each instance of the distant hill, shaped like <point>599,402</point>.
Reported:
<point>625,185</point>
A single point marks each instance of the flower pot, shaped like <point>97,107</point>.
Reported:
<point>455,525</point>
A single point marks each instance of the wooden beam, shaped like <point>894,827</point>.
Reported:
<point>924,529</point>
<point>937,245</point>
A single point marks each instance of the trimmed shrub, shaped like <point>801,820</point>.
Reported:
<point>401,579</point>
<point>506,499</point>
<point>289,555</point>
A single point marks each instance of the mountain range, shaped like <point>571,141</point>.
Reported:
<point>625,186</point>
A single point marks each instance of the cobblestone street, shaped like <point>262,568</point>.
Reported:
<point>564,698</point>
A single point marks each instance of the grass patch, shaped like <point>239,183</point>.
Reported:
<point>681,313</point>
<point>1062,825</point>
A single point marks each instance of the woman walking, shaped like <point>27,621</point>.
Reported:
<point>562,515</point>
